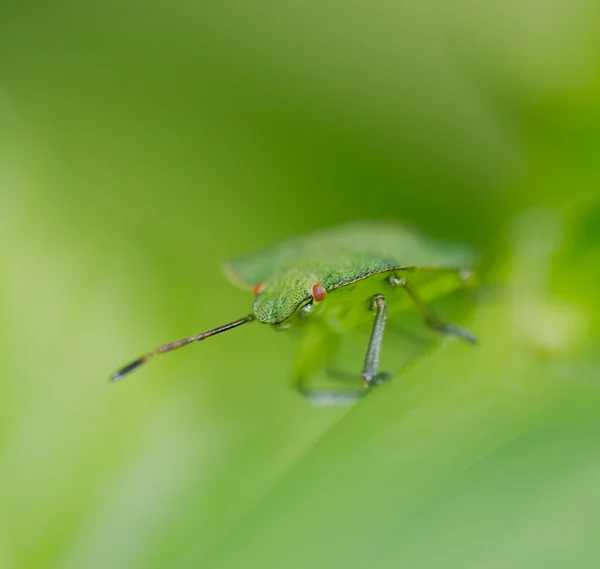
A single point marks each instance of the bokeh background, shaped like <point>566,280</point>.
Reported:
<point>141,145</point>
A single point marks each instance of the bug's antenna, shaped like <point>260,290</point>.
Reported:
<point>177,344</point>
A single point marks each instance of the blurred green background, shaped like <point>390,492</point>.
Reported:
<point>141,145</point>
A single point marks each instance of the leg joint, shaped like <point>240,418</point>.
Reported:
<point>378,302</point>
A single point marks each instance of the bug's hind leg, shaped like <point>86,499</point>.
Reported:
<point>429,316</point>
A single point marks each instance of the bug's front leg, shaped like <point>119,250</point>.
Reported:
<point>316,350</point>
<point>429,316</point>
<point>369,372</point>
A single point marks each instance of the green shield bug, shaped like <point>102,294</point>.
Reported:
<point>337,279</point>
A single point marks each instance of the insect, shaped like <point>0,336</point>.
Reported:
<point>335,280</point>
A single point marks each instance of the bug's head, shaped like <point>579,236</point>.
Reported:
<point>279,299</point>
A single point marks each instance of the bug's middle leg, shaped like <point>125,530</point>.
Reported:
<point>429,316</point>
<point>370,375</point>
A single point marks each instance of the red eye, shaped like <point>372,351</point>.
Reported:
<point>318,292</point>
<point>258,288</point>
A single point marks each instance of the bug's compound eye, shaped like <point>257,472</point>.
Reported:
<point>318,292</point>
<point>258,288</point>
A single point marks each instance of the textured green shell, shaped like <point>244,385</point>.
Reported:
<point>335,258</point>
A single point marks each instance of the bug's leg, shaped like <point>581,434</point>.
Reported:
<point>317,347</point>
<point>325,397</point>
<point>369,372</point>
<point>429,316</point>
